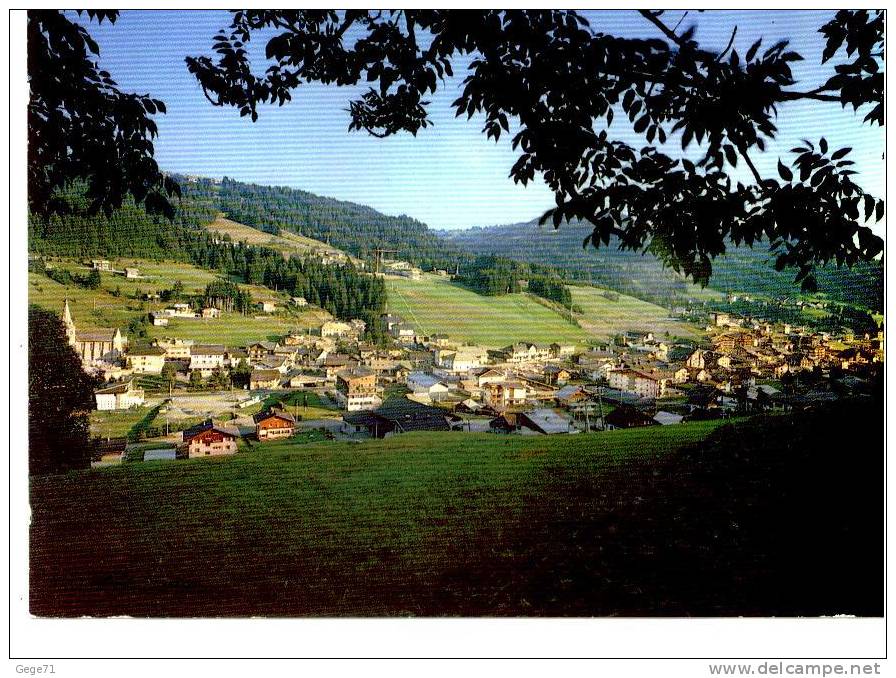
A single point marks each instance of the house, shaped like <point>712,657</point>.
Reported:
<point>681,375</point>
<point>131,273</point>
<point>556,375</point>
<point>334,363</point>
<point>182,311</point>
<point>211,312</point>
<point>159,318</point>
<point>404,333</point>
<point>175,349</point>
<point>301,302</point>
<point>429,385</point>
<point>571,396</point>
<point>356,389</point>
<point>260,349</point>
<point>390,320</point>
<point>306,381</point>
<point>460,360</point>
<point>634,381</point>
<point>490,377</point>
<point>398,415</point>
<point>562,350</point>
<point>274,424</point>
<point>121,396</point>
<point>267,306</point>
<point>209,439</point>
<point>264,379</point>
<point>626,416</point>
<point>101,265</point>
<point>207,357</point>
<point>146,359</point>
<point>336,329</point>
<point>506,394</point>
<point>547,422</point>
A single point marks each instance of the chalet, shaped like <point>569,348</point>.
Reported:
<point>207,357</point>
<point>356,389</point>
<point>209,439</point>
<point>260,349</point>
<point>131,273</point>
<point>554,374</point>
<point>274,424</point>
<point>260,379</point>
<point>211,312</point>
<point>506,394</point>
<point>667,418</point>
<point>147,359</point>
<point>681,375</point>
<point>267,306</point>
<point>336,362</point>
<point>182,311</point>
<point>101,265</point>
<point>571,396</point>
<point>398,415</point>
<point>543,421</point>
<point>121,396</point>
<point>624,416</point>
<point>301,302</point>
<point>460,360</point>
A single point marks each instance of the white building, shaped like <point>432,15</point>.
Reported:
<point>121,396</point>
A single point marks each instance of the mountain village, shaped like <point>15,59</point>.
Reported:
<point>421,382</point>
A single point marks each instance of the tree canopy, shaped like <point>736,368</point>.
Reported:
<point>563,82</point>
<point>82,127</point>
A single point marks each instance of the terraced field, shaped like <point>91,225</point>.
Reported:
<point>607,314</point>
<point>436,305</point>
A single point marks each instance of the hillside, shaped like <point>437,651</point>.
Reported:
<point>742,270</point>
<point>435,305</point>
<point>675,520</point>
<point>114,304</point>
<point>286,242</point>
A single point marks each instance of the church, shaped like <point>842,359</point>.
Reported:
<point>106,345</point>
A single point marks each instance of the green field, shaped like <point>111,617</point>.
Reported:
<point>605,316</point>
<point>435,305</point>
<point>101,308</point>
<point>300,524</point>
<point>118,423</point>
<point>760,517</point>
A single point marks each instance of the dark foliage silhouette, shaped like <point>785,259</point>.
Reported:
<point>562,82</point>
<point>60,394</point>
<point>82,127</point>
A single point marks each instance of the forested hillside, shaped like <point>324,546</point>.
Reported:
<point>743,269</point>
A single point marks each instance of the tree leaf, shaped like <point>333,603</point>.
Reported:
<point>785,172</point>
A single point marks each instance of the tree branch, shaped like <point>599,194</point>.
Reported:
<point>746,157</point>
<point>668,32</point>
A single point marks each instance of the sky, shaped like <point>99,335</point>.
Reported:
<point>450,175</point>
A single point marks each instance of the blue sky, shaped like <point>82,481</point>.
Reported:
<point>450,175</point>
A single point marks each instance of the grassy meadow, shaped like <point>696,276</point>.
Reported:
<point>436,305</point>
<point>696,519</point>
<point>605,315</point>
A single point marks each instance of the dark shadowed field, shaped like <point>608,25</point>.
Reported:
<point>775,516</point>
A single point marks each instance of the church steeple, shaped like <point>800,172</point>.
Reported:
<point>69,323</point>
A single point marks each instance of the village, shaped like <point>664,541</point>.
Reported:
<point>219,400</point>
